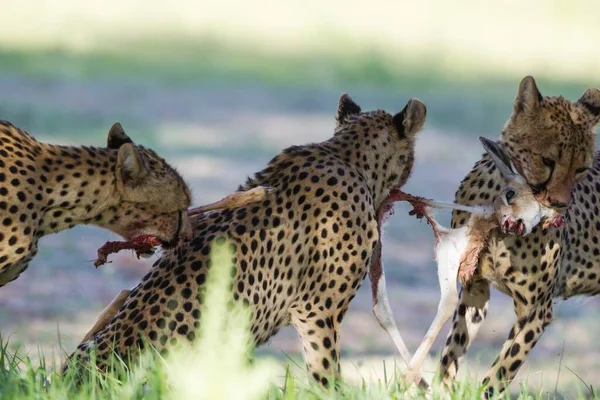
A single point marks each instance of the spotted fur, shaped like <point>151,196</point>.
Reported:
<point>551,142</point>
<point>299,257</point>
<point>45,189</point>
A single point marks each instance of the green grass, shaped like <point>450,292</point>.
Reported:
<point>218,365</point>
<point>153,377</point>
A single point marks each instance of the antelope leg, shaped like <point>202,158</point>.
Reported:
<point>383,310</point>
<point>447,275</point>
<point>234,200</point>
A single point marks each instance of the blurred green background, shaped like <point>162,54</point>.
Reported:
<point>219,87</point>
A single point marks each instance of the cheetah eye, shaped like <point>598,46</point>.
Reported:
<point>509,195</point>
<point>581,170</point>
<point>548,162</point>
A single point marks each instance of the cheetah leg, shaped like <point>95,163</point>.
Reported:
<point>468,317</point>
<point>319,337</point>
<point>107,314</point>
<point>447,276</point>
<point>530,325</point>
<point>234,200</point>
<point>383,310</point>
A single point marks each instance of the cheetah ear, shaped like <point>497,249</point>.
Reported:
<point>130,165</point>
<point>346,108</point>
<point>529,97</point>
<point>590,100</point>
<point>500,159</point>
<point>411,119</point>
<point>117,137</point>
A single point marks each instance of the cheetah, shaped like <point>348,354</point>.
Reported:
<point>47,188</point>
<point>299,256</point>
<point>551,143</point>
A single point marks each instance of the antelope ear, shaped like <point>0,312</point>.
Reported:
<point>411,119</point>
<point>346,108</point>
<point>590,101</point>
<point>500,159</point>
<point>130,165</point>
<point>117,137</point>
<point>529,97</point>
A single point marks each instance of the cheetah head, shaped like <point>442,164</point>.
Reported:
<point>153,198</point>
<point>551,141</point>
<point>387,141</point>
